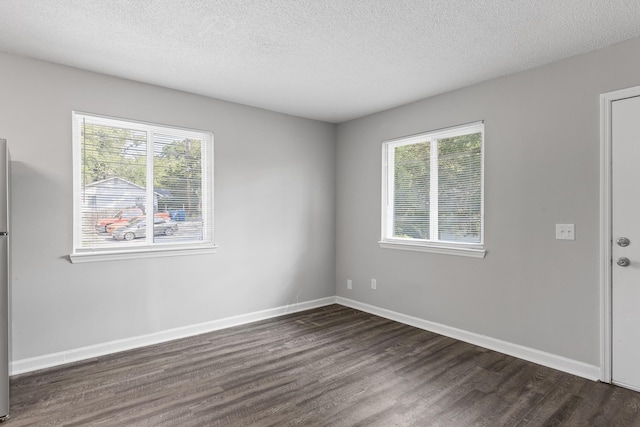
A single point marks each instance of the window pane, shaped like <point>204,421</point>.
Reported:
<point>411,191</point>
<point>177,174</point>
<point>113,183</point>
<point>460,188</point>
<point>140,188</point>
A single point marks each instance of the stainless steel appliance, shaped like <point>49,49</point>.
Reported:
<point>4,279</point>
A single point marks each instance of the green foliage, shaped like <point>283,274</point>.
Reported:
<point>459,189</point>
<point>109,152</point>
<point>178,169</point>
<point>412,180</point>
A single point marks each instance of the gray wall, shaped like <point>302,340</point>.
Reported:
<point>274,213</point>
<point>542,168</point>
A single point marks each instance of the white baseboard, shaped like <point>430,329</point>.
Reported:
<point>550,360</point>
<point>49,360</point>
<point>536,356</point>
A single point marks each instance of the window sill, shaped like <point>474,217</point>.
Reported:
<point>82,257</point>
<point>458,250</point>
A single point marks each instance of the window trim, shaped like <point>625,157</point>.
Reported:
<point>83,255</point>
<point>142,252</point>
<point>474,250</point>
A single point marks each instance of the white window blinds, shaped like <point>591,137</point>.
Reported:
<point>412,188</point>
<point>460,188</point>
<point>433,189</point>
<point>140,187</point>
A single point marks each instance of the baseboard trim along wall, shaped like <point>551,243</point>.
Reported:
<point>550,360</point>
<point>50,360</point>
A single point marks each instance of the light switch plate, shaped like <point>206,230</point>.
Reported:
<point>565,232</point>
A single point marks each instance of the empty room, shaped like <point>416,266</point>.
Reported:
<point>319,213</point>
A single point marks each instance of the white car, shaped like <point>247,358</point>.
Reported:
<point>138,228</point>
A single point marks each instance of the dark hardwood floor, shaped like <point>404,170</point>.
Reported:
<point>332,366</point>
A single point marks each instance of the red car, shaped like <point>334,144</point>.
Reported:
<point>122,218</point>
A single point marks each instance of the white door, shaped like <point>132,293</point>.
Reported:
<point>625,288</point>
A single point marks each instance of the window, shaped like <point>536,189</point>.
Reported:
<point>140,189</point>
<point>433,191</point>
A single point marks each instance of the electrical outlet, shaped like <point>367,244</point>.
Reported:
<point>349,284</point>
<point>565,232</point>
<point>374,284</point>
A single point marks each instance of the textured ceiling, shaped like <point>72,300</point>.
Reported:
<point>330,60</point>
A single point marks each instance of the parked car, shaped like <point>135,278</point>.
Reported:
<point>123,216</point>
<point>111,228</point>
<point>137,228</point>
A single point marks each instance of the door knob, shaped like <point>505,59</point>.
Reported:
<point>623,261</point>
<point>623,241</point>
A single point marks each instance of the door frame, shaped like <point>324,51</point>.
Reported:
<point>606,224</point>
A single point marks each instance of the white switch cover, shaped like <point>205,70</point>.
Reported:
<point>565,232</point>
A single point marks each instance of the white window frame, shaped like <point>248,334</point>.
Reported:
<point>146,250</point>
<point>388,241</point>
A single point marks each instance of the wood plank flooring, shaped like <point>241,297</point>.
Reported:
<point>332,366</point>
